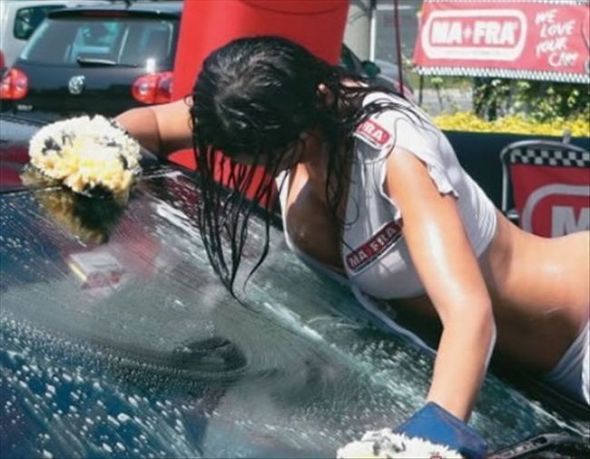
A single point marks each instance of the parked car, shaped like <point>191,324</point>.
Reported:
<point>109,58</point>
<point>118,340</point>
<point>20,18</point>
<point>390,71</point>
<point>374,72</point>
<point>100,58</point>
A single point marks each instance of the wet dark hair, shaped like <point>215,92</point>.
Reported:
<point>256,96</point>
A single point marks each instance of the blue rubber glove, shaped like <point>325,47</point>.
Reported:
<point>437,425</point>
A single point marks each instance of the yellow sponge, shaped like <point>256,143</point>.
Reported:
<point>88,155</point>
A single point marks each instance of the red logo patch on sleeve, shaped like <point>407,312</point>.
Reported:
<point>373,133</point>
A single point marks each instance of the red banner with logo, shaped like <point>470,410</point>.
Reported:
<point>551,201</point>
<point>530,39</point>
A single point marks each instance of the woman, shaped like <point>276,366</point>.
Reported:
<point>372,190</point>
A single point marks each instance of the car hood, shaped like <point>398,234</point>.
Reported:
<point>118,339</point>
<point>14,146</point>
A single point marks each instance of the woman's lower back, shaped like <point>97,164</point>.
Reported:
<point>541,293</point>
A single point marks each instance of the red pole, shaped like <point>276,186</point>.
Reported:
<point>208,24</point>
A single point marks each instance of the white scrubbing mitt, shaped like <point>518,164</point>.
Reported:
<point>386,444</point>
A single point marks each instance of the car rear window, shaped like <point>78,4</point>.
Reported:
<point>121,41</point>
<point>28,19</point>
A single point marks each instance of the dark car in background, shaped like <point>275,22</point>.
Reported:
<point>20,18</point>
<point>377,73</point>
<point>109,58</point>
<point>96,59</point>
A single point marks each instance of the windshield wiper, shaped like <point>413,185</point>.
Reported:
<point>95,61</point>
<point>90,61</point>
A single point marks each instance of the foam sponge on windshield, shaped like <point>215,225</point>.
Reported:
<point>386,444</point>
<point>89,155</point>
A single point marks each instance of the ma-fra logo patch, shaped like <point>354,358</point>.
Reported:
<point>373,133</point>
<point>374,247</point>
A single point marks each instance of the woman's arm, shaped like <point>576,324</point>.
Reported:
<point>162,129</point>
<point>449,270</point>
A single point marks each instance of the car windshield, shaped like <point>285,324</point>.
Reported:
<point>119,41</point>
<point>118,339</point>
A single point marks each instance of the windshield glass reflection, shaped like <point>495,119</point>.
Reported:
<point>127,344</point>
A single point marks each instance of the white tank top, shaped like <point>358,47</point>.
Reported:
<point>374,251</point>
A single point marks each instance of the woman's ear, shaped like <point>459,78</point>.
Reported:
<point>325,95</point>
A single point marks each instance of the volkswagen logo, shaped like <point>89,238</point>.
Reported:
<point>76,84</point>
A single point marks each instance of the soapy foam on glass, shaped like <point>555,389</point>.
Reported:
<point>87,154</point>
<point>388,445</point>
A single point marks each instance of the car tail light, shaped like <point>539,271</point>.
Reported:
<point>14,85</point>
<point>155,88</point>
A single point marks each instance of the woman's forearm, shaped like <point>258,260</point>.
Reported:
<point>461,362</point>
<point>161,129</point>
<point>142,124</point>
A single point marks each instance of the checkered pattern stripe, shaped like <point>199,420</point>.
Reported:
<point>541,156</point>
<point>550,2</point>
<point>505,73</point>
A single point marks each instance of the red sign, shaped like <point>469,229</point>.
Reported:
<point>533,39</point>
<point>552,201</point>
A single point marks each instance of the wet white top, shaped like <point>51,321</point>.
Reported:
<point>374,251</point>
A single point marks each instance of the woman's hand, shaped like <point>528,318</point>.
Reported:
<point>450,273</point>
<point>438,426</point>
<point>430,432</point>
